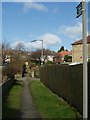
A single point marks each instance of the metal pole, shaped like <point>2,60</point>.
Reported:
<point>85,103</point>
<point>42,59</point>
<point>42,53</point>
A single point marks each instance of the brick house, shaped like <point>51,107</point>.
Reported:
<point>77,50</point>
<point>63,53</point>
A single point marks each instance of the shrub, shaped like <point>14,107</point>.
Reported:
<point>8,70</point>
<point>48,63</point>
<point>67,58</point>
<point>89,60</point>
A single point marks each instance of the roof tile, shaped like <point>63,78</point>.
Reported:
<point>80,41</point>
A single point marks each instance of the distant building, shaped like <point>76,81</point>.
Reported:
<point>0,54</point>
<point>77,50</point>
<point>7,59</point>
<point>63,53</point>
<point>49,58</point>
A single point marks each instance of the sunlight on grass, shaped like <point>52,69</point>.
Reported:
<point>49,104</point>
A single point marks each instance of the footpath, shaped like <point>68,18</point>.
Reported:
<point>28,108</point>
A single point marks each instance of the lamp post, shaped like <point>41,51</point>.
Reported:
<point>42,59</point>
<point>85,100</point>
<point>81,10</point>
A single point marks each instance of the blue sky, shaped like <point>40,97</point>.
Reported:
<point>54,22</point>
<point>89,17</point>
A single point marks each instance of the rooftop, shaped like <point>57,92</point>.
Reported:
<point>63,53</point>
<point>80,41</point>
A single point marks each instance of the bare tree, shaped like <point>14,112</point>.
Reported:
<point>20,47</point>
<point>5,50</point>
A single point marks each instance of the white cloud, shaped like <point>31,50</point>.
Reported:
<point>33,5</point>
<point>16,0</point>
<point>48,40</point>
<point>72,32</point>
<point>27,45</point>
<point>42,0</point>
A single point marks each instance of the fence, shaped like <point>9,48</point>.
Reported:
<point>66,81</point>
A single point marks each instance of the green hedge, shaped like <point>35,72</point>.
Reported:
<point>66,81</point>
<point>89,89</point>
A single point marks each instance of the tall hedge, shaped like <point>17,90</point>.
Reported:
<point>89,90</point>
<point>66,81</point>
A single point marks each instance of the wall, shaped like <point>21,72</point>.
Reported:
<point>77,54</point>
<point>66,81</point>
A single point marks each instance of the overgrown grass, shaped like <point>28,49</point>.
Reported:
<point>49,104</point>
<point>13,103</point>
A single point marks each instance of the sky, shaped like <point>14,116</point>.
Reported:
<point>89,18</point>
<point>53,22</point>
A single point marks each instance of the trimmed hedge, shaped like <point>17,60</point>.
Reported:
<point>66,81</point>
<point>89,90</point>
<point>6,87</point>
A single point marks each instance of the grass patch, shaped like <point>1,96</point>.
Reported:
<point>13,103</point>
<point>49,104</point>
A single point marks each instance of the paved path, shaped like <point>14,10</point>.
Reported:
<point>28,109</point>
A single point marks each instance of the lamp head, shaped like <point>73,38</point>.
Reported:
<point>33,40</point>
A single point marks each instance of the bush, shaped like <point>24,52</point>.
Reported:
<point>37,72</point>
<point>89,60</point>
<point>48,63</point>
<point>8,70</point>
<point>67,58</point>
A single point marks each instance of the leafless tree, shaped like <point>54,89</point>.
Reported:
<point>20,47</point>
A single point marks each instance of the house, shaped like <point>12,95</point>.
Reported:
<point>63,53</point>
<point>48,58</point>
<point>0,54</point>
<point>77,50</point>
<point>7,59</point>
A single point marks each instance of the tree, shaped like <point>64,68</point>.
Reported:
<point>5,50</point>
<point>67,58</point>
<point>36,54</point>
<point>61,49</point>
<point>20,47</point>
<point>5,46</point>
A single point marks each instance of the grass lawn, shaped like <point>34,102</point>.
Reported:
<point>49,104</point>
<point>13,103</point>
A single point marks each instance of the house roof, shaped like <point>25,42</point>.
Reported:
<point>63,53</point>
<point>80,41</point>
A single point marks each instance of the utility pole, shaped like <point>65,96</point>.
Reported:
<point>42,58</point>
<point>81,10</point>
<point>85,86</point>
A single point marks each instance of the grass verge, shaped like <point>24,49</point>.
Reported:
<point>10,108</point>
<point>49,104</point>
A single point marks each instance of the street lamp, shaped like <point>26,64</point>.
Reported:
<point>85,81</point>
<point>81,10</point>
<point>42,58</point>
